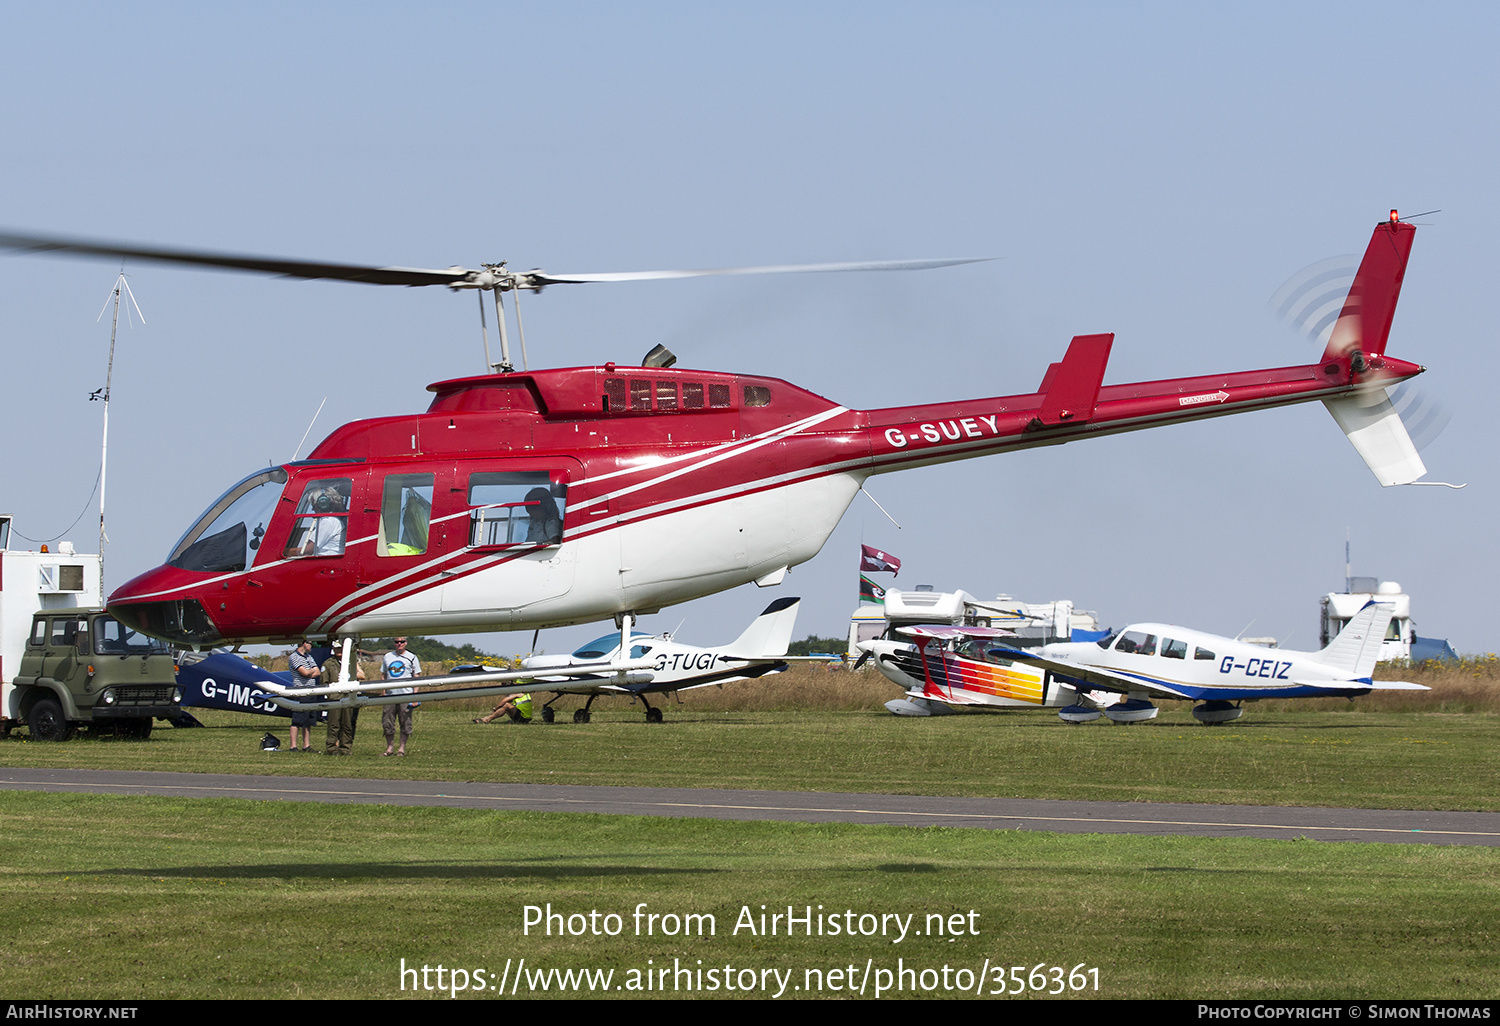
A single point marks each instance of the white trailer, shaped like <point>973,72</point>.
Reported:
<point>1338,608</point>
<point>1033,623</point>
<point>31,581</point>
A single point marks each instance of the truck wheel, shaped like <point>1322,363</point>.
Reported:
<point>138,729</point>
<point>47,721</point>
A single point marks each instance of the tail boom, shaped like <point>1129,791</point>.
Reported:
<point>935,433</point>
<point>1073,403</point>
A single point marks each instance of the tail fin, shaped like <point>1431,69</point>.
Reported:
<point>1364,324</point>
<point>1359,337</point>
<point>1357,648</point>
<point>769,634</point>
<point>1374,427</point>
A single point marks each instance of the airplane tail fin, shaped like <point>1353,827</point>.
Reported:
<point>769,634</point>
<point>1359,338</point>
<point>1357,648</point>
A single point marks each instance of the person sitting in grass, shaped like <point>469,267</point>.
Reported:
<point>517,707</point>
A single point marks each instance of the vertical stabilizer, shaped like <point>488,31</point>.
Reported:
<point>1357,648</point>
<point>1374,427</point>
<point>769,634</point>
<point>1364,323</point>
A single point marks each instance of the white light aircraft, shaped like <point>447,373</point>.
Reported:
<point>633,664</point>
<point>759,651</point>
<point>972,666</point>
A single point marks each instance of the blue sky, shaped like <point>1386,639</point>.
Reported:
<point>1154,170</point>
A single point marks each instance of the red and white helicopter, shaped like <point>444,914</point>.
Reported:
<point>522,500</point>
<point>975,667</point>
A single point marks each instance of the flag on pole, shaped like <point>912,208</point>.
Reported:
<point>870,592</point>
<point>873,559</point>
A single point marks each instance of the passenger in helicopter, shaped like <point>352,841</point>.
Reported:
<point>544,524</point>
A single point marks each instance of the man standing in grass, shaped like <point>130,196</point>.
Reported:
<point>399,664</point>
<point>305,670</point>
<point>341,722</point>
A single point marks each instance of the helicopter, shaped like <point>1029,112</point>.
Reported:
<point>535,498</point>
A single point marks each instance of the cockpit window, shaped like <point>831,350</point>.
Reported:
<point>1107,641</point>
<point>599,648</point>
<point>322,524</point>
<point>226,536</point>
<point>1137,643</point>
<point>979,649</point>
<point>1173,649</point>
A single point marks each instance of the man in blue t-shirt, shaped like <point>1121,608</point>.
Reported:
<point>398,665</point>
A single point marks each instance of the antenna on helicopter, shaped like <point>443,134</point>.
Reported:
<point>121,287</point>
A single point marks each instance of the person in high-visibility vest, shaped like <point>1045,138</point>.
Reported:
<point>517,707</point>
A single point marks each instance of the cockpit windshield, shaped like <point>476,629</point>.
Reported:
<point>601,647</point>
<point>226,536</point>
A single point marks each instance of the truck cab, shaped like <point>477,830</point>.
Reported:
<point>81,666</point>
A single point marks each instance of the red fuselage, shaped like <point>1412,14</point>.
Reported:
<point>536,499</point>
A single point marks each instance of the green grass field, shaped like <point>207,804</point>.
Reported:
<point>150,898</point>
<point>146,898</point>
<point>1345,758</point>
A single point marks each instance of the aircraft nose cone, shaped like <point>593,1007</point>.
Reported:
<point>152,605</point>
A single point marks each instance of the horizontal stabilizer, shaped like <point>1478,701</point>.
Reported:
<point>1375,429</point>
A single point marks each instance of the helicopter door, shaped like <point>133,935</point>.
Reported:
<point>517,523</point>
<point>406,536</point>
<point>308,551</point>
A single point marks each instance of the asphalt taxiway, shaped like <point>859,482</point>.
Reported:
<point>1392,826</point>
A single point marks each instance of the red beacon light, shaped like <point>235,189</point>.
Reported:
<point>1394,217</point>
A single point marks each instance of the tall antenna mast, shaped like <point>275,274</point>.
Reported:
<point>1349,581</point>
<point>121,286</point>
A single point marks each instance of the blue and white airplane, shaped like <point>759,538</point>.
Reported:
<point>1143,662</point>
<point>625,663</point>
<point>224,680</point>
<point>670,665</point>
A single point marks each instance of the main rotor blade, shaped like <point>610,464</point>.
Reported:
<point>546,278</point>
<point>238,262</point>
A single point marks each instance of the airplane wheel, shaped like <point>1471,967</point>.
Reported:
<point>48,723</point>
<point>580,715</point>
<point>653,715</point>
<point>547,714</point>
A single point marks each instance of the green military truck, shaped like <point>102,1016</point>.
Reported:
<point>82,667</point>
